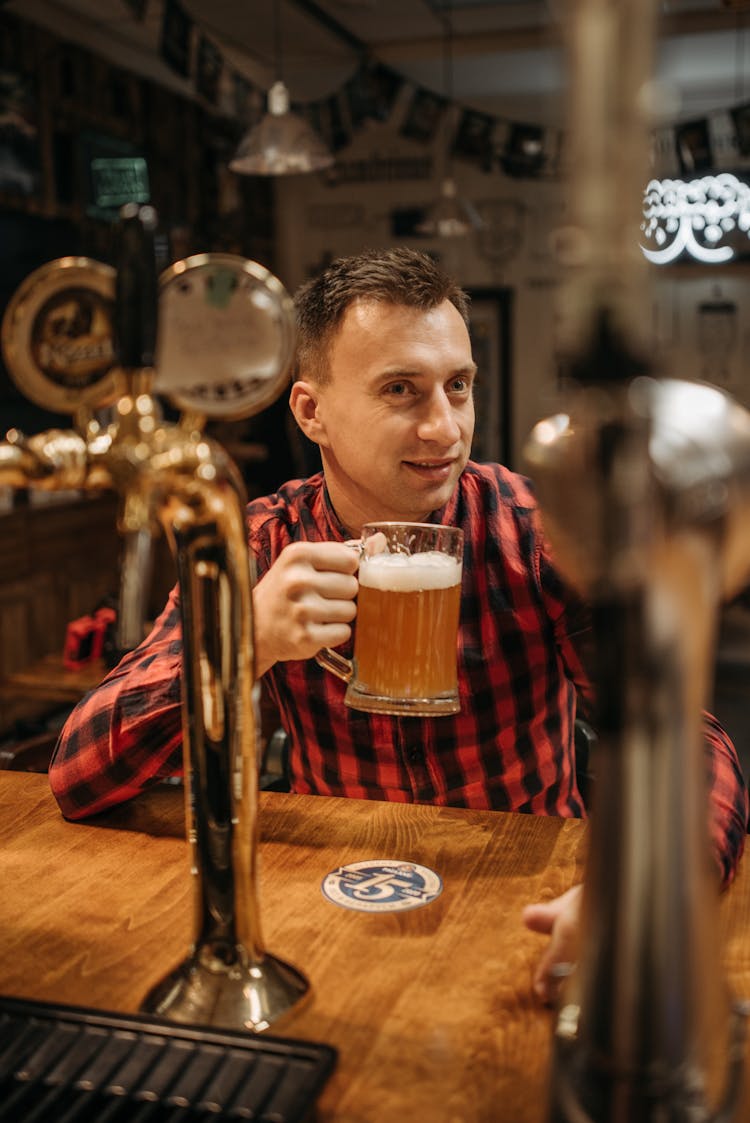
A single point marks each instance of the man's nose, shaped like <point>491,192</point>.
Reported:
<point>439,422</point>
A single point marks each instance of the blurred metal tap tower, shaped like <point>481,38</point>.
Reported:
<point>645,489</point>
<point>78,336</point>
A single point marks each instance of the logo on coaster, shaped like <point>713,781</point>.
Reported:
<point>382,886</point>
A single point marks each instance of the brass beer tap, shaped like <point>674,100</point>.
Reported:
<point>76,336</point>
<point>644,484</point>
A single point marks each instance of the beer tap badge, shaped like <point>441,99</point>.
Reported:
<point>71,338</point>
<point>381,885</point>
<point>58,336</point>
<point>226,334</point>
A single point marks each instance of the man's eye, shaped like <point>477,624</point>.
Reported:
<point>460,385</point>
<point>398,389</point>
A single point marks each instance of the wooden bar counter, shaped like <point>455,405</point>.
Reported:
<point>430,1009</point>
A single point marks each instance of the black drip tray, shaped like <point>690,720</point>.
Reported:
<point>65,1064</point>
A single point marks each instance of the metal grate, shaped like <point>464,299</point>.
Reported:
<point>72,1065</point>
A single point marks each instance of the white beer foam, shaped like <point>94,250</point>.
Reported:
<point>407,573</point>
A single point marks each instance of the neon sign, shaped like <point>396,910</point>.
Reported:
<point>694,218</point>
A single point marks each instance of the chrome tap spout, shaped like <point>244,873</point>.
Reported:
<point>50,461</point>
<point>170,476</point>
<point>228,977</point>
<point>644,486</point>
<point>647,487</point>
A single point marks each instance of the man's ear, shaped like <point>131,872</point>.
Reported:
<point>304,402</point>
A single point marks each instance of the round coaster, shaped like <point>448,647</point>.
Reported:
<point>382,885</point>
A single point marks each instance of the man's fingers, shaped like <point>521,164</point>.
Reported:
<point>329,635</point>
<point>336,556</point>
<point>560,920</point>
<point>315,611</point>
<point>549,976</point>
<point>540,917</point>
<point>328,586</point>
<point>304,602</point>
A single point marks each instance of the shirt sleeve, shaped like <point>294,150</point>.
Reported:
<point>727,788</point>
<point>571,619</point>
<point>126,734</point>
<point>729,798</point>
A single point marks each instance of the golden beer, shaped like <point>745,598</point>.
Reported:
<point>406,631</point>
<point>407,623</point>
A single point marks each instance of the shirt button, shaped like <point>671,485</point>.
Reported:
<point>414,754</point>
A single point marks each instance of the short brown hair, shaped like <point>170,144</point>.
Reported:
<point>393,276</point>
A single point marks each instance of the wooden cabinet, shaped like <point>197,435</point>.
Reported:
<point>56,563</point>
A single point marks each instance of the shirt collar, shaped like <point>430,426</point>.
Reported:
<point>333,522</point>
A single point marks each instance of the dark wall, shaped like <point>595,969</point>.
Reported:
<point>61,107</point>
<point>27,242</point>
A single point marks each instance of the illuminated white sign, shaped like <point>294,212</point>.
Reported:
<point>694,217</point>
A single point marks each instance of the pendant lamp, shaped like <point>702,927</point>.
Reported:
<point>282,143</point>
<point>450,216</point>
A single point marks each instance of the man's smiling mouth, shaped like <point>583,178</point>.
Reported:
<point>430,466</point>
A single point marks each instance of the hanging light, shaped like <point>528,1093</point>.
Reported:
<point>282,143</point>
<point>450,216</point>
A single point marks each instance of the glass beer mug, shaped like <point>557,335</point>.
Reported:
<point>405,633</point>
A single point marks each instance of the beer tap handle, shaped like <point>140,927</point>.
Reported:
<point>57,338</point>
<point>136,300</point>
<point>226,337</point>
<point>135,327</point>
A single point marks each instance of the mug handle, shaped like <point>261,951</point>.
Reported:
<point>340,666</point>
<point>331,660</point>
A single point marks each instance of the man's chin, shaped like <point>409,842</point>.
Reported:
<point>432,498</point>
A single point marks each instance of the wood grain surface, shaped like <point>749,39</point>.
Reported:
<point>431,1010</point>
<point>49,679</point>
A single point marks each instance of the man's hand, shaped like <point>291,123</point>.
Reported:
<point>559,919</point>
<point>304,602</point>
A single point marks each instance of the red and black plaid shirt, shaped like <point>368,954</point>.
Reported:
<point>520,674</point>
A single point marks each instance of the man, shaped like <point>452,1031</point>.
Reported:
<point>383,386</point>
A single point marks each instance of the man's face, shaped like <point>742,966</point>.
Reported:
<point>395,419</point>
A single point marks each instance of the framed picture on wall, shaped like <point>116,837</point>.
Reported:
<point>490,328</point>
<point>20,160</point>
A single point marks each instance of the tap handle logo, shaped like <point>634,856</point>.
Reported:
<point>57,336</point>
<point>226,336</point>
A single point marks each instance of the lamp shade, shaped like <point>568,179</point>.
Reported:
<point>282,143</point>
<point>450,216</point>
